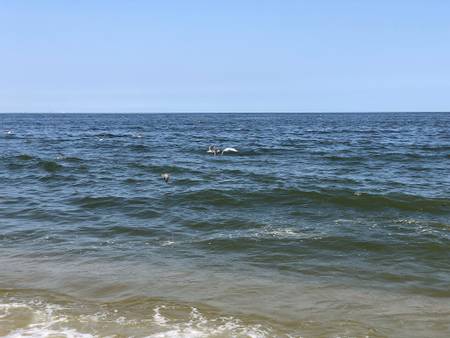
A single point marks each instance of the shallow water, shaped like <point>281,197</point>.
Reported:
<point>323,225</point>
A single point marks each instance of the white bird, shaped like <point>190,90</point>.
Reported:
<point>213,150</point>
<point>165,177</point>
<point>228,150</point>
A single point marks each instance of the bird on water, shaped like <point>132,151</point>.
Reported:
<point>216,151</point>
<point>165,177</point>
<point>213,150</point>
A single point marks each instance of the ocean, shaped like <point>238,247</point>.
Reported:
<point>321,225</point>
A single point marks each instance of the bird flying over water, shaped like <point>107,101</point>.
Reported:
<point>229,150</point>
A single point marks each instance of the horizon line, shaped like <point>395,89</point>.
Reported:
<point>229,112</point>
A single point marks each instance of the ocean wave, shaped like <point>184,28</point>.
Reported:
<point>58,178</point>
<point>50,166</point>
<point>188,182</point>
<point>270,240</point>
<point>132,181</point>
<point>26,157</point>
<point>143,213</point>
<point>117,230</point>
<point>208,197</point>
<point>276,240</point>
<point>198,325</point>
<point>139,148</point>
<point>21,161</point>
<point>222,224</point>
<point>22,235</point>
<point>349,158</point>
<point>94,202</point>
<point>33,163</point>
<point>152,318</point>
<point>434,148</point>
<point>36,319</point>
<point>158,169</point>
<point>111,135</point>
<point>73,159</point>
<point>297,197</point>
<point>423,223</point>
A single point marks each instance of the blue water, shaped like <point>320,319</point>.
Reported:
<point>321,225</point>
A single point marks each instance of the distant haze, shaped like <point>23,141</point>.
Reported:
<point>198,56</point>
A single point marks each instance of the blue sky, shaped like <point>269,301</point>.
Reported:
<point>151,56</point>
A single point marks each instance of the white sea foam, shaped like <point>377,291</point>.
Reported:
<point>158,318</point>
<point>44,321</point>
<point>268,232</point>
<point>5,309</point>
<point>42,332</point>
<point>51,320</point>
<point>284,233</point>
<point>199,326</point>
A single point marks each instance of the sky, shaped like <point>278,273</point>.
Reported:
<point>224,56</point>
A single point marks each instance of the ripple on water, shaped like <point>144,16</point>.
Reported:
<point>50,166</point>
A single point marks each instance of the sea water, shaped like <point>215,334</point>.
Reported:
<point>321,225</point>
